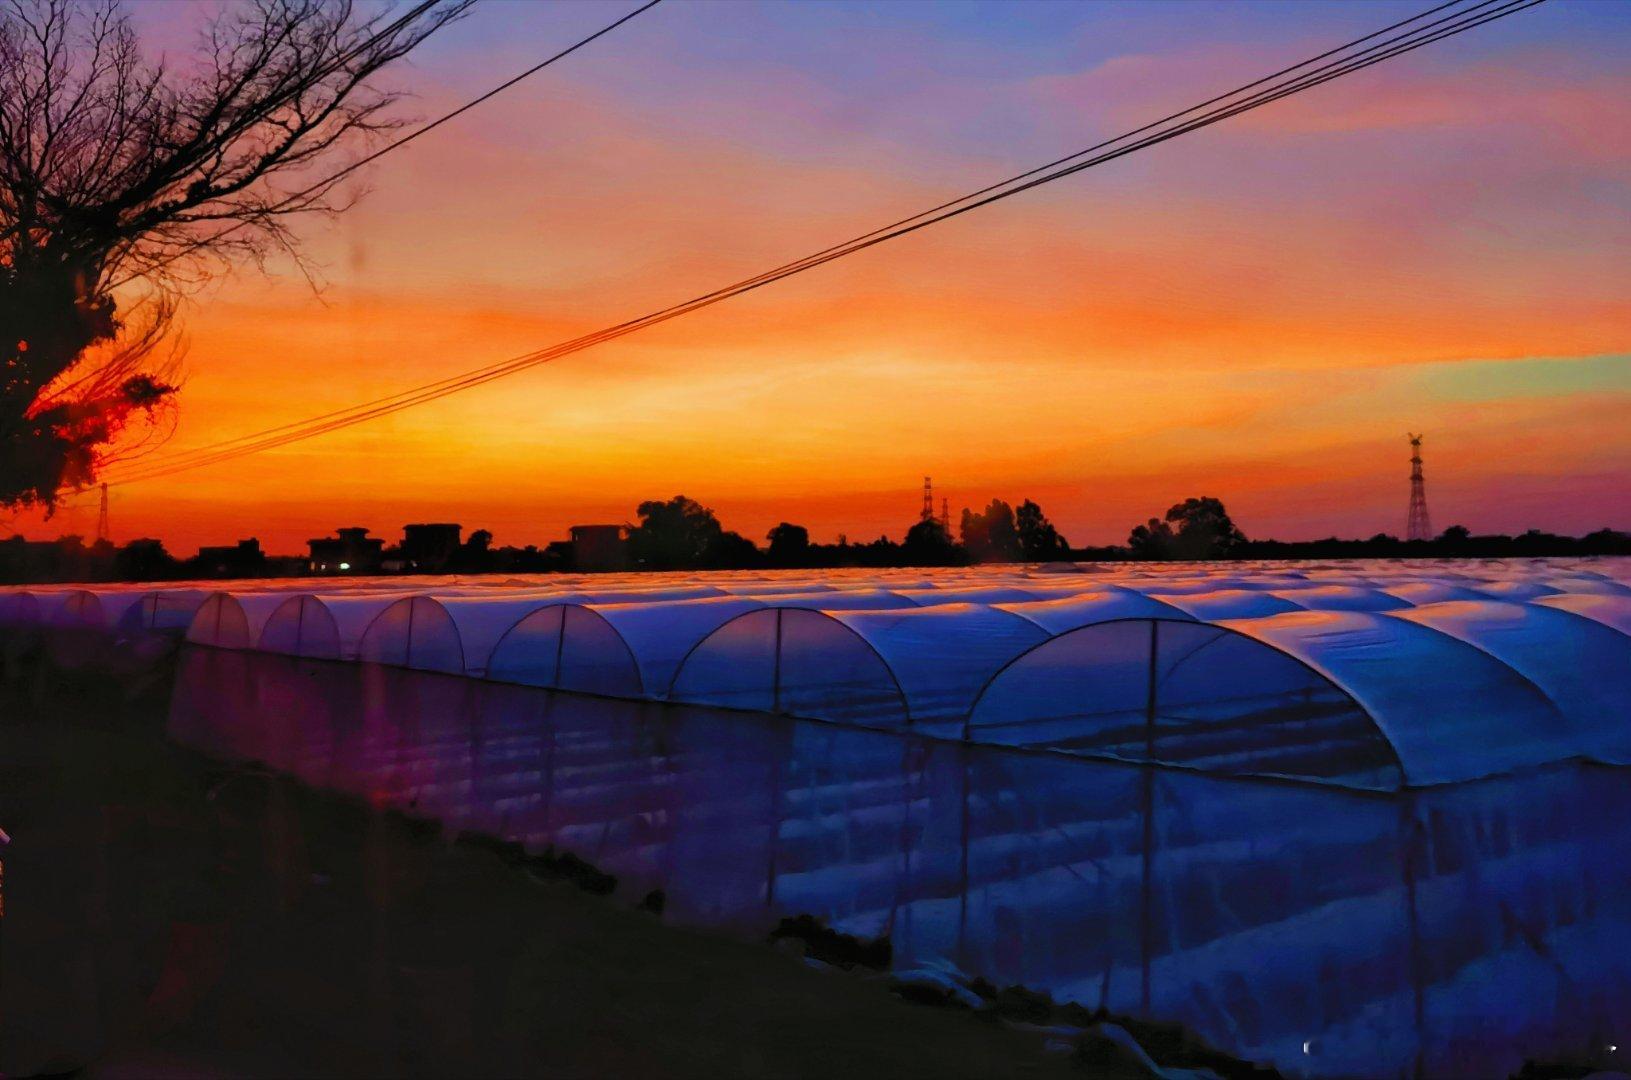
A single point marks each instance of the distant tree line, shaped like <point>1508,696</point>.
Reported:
<point>1200,528</point>
<point>682,534</point>
<point>69,558</point>
<point>1456,542</point>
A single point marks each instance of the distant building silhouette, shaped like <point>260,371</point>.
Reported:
<point>243,559</point>
<point>349,551</point>
<point>600,547</point>
<point>429,547</point>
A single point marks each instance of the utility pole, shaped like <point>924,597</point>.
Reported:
<point>1418,526</point>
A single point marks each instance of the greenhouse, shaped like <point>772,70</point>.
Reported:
<point>893,647</point>
<point>1291,863</point>
<point>1614,611</point>
<point>233,621</point>
<point>617,650</point>
<point>163,611</point>
<point>413,632</point>
<point>1356,698</point>
<point>301,625</point>
<point>880,668</point>
<point>1326,816</point>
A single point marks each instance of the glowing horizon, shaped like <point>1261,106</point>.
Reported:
<point>1258,312</point>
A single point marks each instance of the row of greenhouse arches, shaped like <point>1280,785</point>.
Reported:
<point>1421,682</point>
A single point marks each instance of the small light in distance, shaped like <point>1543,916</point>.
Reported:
<point>345,566</point>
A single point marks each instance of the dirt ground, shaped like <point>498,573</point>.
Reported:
<point>166,917</point>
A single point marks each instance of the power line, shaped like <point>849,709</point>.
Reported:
<point>321,425</point>
<point>1273,88</point>
<point>896,224</point>
<point>398,143</point>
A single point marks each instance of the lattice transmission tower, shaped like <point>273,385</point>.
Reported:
<point>102,516</point>
<point>927,513</point>
<point>1418,525</point>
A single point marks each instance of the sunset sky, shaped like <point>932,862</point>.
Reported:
<point>1258,311</point>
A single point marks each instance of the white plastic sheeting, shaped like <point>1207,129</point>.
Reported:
<point>937,658</point>
<point>1612,611</point>
<point>1450,710</point>
<point>19,609</point>
<point>1345,598</point>
<point>166,610</point>
<point>1433,592</point>
<point>1450,931</point>
<point>566,646</point>
<point>1102,605</point>
<point>413,632</point>
<point>1582,666</point>
<point>794,661</point>
<point>1184,693</point>
<point>482,621</point>
<point>228,621</point>
<point>1229,604</point>
<point>73,608</point>
<point>1464,669</point>
<point>303,625</point>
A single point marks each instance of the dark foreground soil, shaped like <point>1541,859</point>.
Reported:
<point>168,917</point>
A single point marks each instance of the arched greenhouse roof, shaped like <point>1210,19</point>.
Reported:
<point>1184,586</point>
<point>1582,666</point>
<point>69,619</point>
<point>656,636</point>
<point>352,615</point>
<point>766,589</point>
<point>70,608</point>
<point>1612,611</point>
<point>974,594</point>
<point>483,620</point>
<point>1450,710</point>
<point>885,668</point>
<point>302,625</point>
<point>566,646</point>
<point>413,632</point>
<point>941,656</point>
<point>1184,693</point>
<point>1416,696</point>
<point>659,636</point>
<point>1344,598</point>
<point>1433,592</point>
<point>1228,604</point>
<point>1517,590</point>
<point>233,620</point>
<point>796,661</point>
<point>1295,669</point>
<point>1105,603</point>
<point>19,609</point>
<point>846,600</point>
<point>165,610</point>
<point>1590,584</point>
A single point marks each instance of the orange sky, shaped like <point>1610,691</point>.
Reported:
<point>1258,311</point>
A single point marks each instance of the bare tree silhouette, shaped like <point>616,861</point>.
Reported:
<point>123,181</point>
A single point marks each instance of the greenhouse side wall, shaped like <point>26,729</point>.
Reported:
<point>1203,899</point>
